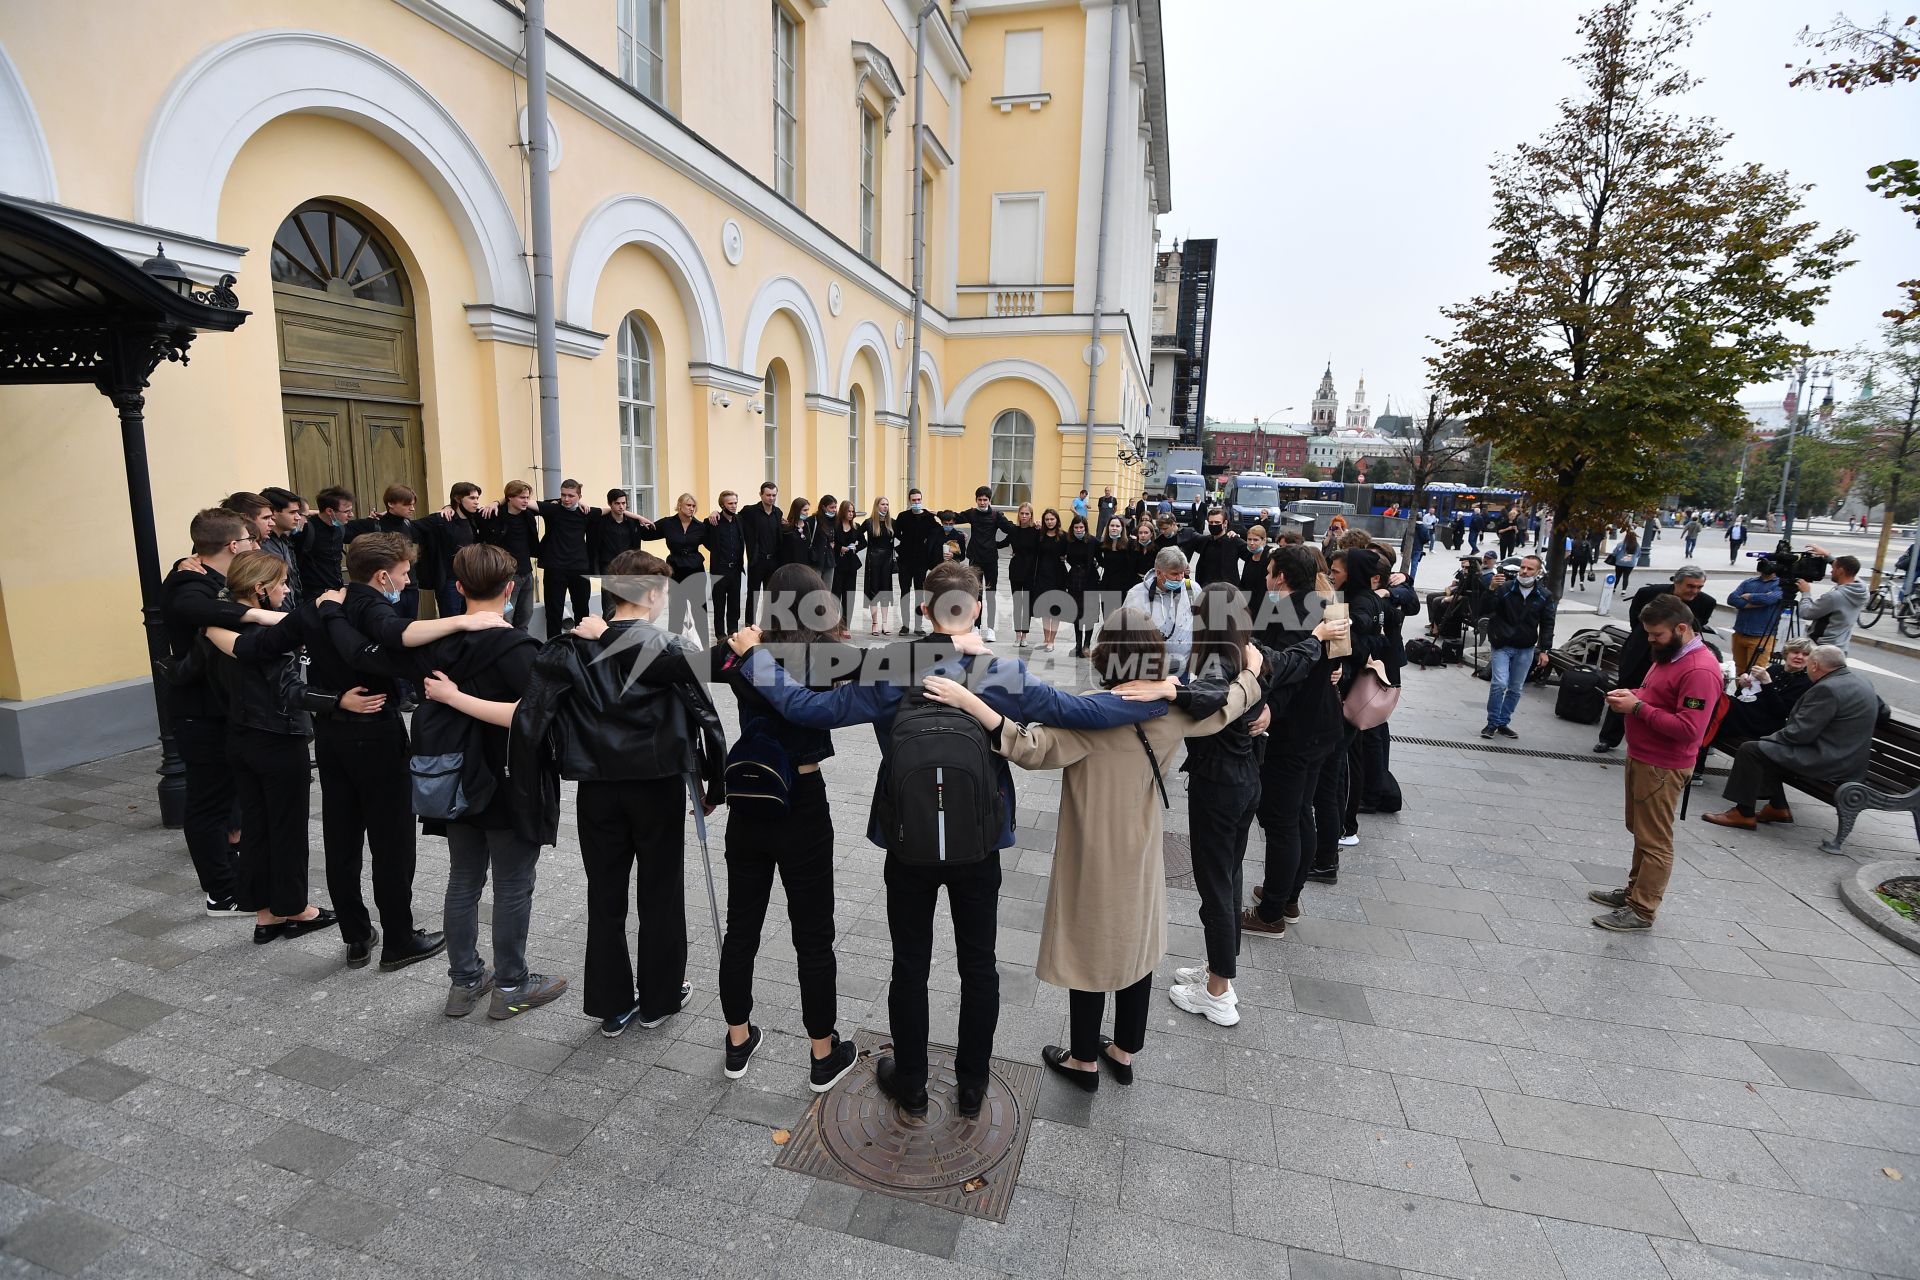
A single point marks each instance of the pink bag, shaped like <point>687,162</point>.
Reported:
<point>1371,700</point>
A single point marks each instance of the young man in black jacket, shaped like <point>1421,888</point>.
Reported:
<point>987,531</point>
<point>726,558</point>
<point>1220,554</point>
<point>563,555</point>
<point>190,602</point>
<point>322,540</point>
<point>443,535</point>
<point>286,510</point>
<point>512,526</point>
<point>760,523</point>
<point>610,532</point>
<point>919,533</point>
<point>619,709</point>
<point>365,785</point>
<point>400,502</point>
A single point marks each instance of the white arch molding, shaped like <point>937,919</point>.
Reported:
<point>26,163</point>
<point>867,336</point>
<point>234,89</point>
<point>934,410</point>
<point>1020,371</point>
<point>635,219</point>
<point>784,293</point>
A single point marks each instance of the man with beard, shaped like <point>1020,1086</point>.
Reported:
<point>1667,718</point>
<point>1688,584</point>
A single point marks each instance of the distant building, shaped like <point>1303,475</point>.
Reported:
<point>1326,404</point>
<point>1357,411</point>
<point>1275,448</point>
<point>1353,444</point>
<point>1182,329</point>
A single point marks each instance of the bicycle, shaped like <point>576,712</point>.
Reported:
<point>1884,598</point>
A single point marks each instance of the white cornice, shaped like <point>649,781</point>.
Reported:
<point>718,375</point>
<point>494,29</point>
<point>881,418</point>
<point>1099,429</point>
<point>204,260</point>
<point>830,405</point>
<point>945,429</point>
<point>499,324</point>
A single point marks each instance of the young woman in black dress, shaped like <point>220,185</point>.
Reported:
<point>796,531</point>
<point>849,536</point>
<point>1050,575</point>
<point>1083,582</point>
<point>821,552</point>
<point>882,543</point>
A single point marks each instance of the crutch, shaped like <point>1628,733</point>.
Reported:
<point>706,858</point>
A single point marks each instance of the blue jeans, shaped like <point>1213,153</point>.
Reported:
<point>1692,541</point>
<point>471,851</point>
<point>1509,668</point>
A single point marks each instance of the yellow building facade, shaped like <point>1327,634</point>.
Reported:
<point>732,237</point>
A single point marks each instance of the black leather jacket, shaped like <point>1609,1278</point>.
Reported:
<point>627,706</point>
<point>265,681</point>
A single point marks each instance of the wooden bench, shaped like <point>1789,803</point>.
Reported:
<point>1892,782</point>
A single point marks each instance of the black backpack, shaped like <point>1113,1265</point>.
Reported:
<point>942,790</point>
<point>1422,652</point>
<point>448,764</point>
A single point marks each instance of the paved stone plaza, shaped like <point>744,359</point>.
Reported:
<point>1443,1071</point>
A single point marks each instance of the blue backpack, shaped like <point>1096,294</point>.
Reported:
<point>760,774</point>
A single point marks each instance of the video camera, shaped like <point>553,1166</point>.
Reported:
<point>1796,566</point>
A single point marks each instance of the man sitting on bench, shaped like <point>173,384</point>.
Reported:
<point>1828,738</point>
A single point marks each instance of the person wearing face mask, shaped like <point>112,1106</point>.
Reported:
<point>1520,630</point>
<point>1221,554</point>
<point>321,541</point>
<point>1253,573</point>
<point>1667,717</point>
<point>1083,579</point>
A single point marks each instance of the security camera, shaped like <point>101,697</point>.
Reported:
<point>756,406</point>
<point>722,399</point>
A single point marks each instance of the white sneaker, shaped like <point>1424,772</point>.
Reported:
<point>1349,841</point>
<point>988,634</point>
<point>1222,1011</point>
<point>1191,974</point>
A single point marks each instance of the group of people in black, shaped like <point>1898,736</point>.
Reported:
<point>293,629</point>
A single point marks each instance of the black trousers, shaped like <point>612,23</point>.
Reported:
<point>1220,816</point>
<point>1755,780</point>
<point>634,833</point>
<point>973,897</point>
<point>366,795</point>
<point>798,845</point>
<point>1289,781</point>
<point>560,585</point>
<point>270,777</point>
<point>1357,782</point>
<point>1330,809</point>
<point>1086,1009</point>
<point>726,601</point>
<point>912,583</point>
<point>758,571</point>
<point>1376,746</point>
<point>203,748</point>
<point>989,585</point>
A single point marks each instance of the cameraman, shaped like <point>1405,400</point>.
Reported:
<point>1756,605</point>
<point>1831,618</point>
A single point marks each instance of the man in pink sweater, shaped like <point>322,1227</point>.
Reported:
<point>1666,720</point>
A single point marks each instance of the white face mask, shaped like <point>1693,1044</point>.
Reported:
<point>1527,580</point>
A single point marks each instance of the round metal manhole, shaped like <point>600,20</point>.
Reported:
<point>869,1137</point>
<point>1177,852</point>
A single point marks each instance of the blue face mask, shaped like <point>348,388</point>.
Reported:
<point>506,608</point>
<point>391,597</point>
<point>1274,597</point>
<point>914,506</point>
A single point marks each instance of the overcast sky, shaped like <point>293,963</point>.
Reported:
<point>1339,154</point>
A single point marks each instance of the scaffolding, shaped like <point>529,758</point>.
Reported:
<point>1193,332</point>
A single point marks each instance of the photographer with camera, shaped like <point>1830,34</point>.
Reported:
<point>1756,603</point>
<point>1831,618</point>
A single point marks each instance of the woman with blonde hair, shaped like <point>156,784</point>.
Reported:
<point>882,544</point>
<point>1023,562</point>
<point>1106,917</point>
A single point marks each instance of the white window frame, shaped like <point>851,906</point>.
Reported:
<point>996,267</point>
<point>633,358</point>
<point>869,182</point>
<point>1009,87</point>
<point>770,406</point>
<point>1009,474</point>
<point>786,102</point>
<point>857,402</point>
<point>640,38</point>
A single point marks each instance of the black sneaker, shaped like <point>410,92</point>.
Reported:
<point>827,1071</point>
<point>1506,732</point>
<point>226,907</point>
<point>1488,732</point>
<point>1601,748</point>
<point>1324,875</point>
<point>886,1075</point>
<point>686,994</point>
<point>738,1055</point>
<point>612,1028</point>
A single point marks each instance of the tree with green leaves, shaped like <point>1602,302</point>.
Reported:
<point>1647,279</point>
<point>1885,425</point>
<point>1885,53</point>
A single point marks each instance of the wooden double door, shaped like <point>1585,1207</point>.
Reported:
<point>365,445</point>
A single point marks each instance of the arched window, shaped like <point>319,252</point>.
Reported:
<point>770,401</point>
<point>635,358</point>
<point>855,429</point>
<point>1010,464</point>
<point>332,249</point>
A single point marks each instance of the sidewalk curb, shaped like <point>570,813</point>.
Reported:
<point>1856,887</point>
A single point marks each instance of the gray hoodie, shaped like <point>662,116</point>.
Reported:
<point>1830,617</point>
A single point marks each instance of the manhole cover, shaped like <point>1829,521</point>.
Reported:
<point>855,1135</point>
<point>1177,851</point>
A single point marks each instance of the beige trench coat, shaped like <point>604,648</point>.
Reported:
<point>1106,921</point>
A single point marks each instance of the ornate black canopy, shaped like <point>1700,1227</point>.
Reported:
<point>73,310</point>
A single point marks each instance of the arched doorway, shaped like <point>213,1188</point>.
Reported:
<point>349,365</point>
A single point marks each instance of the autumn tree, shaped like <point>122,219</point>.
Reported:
<point>1646,281</point>
<point>1436,444</point>
<point>1886,423</point>
<point>1886,53</point>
